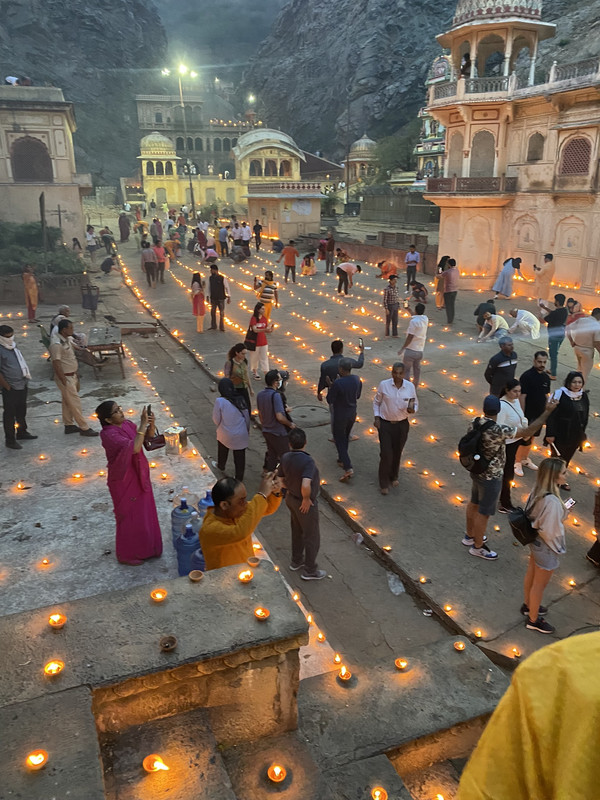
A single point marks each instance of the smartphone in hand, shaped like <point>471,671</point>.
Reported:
<point>360,342</point>
<point>570,503</point>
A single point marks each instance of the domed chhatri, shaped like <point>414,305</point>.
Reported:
<point>484,10</point>
<point>363,145</point>
<point>158,143</point>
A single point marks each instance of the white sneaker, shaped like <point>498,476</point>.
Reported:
<point>519,468</point>
<point>483,552</point>
<point>530,465</point>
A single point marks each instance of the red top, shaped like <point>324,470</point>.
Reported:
<point>261,324</point>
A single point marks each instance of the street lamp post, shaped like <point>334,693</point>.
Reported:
<point>183,70</point>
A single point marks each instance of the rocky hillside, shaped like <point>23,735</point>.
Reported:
<point>101,54</point>
<point>371,57</point>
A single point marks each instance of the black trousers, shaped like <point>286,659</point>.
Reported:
<point>391,316</point>
<point>276,447</point>
<point>306,535</point>
<point>239,460</point>
<point>15,409</point>
<point>450,302</point>
<point>258,240</point>
<point>214,305</point>
<point>411,275</point>
<point>392,438</point>
<point>224,248</point>
<point>341,426</point>
<point>292,270</point>
<point>342,280</point>
<point>509,473</point>
<point>160,271</point>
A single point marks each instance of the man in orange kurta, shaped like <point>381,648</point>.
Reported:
<point>226,533</point>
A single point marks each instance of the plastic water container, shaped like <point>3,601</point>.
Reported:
<point>185,494</point>
<point>196,521</point>
<point>180,516</point>
<point>185,546</point>
<point>197,561</point>
<point>205,503</point>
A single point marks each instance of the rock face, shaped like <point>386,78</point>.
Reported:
<point>101,55</point>
<point>371,57</point>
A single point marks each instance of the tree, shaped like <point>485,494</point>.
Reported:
<point>396,151</point>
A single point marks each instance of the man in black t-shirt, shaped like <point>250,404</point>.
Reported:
<point>301,477</point>
<point>535,388</point>
<point>555,319</point>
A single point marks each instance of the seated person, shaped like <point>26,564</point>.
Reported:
<point>308,264</point>
<point>211,256</point>
<point>419,291</point>
<point>341,257</point>
<point>109,265</point>
<point>277,246</point>
<point>494,327</point>
<point>237,253</point>
<point>487,305</point>
<point>387,269</point>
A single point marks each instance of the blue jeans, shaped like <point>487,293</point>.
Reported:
<point>554,343</point>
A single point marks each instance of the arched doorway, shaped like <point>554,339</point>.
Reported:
<point>31,161</point>
<point>455,155</point>
<point>255,169</point>
<point>270,168</point>
<point>483,155</point>
<point>285,169</point>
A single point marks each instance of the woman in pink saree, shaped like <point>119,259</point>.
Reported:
<point>138,530</point>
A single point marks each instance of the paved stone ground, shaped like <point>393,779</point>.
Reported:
<point>422,521</point>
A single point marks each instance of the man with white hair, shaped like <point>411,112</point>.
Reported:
<point>526,324</point>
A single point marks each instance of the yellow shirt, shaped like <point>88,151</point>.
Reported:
<point>543,739</point>
<point>229,541</point>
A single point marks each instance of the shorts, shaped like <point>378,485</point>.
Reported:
<point>544,556</point>
<point>485,494</point>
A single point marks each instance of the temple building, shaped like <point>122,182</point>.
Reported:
<point>37,158</point>
<point>362,160</point>
<point>430,150</point>
<point>521,171</point>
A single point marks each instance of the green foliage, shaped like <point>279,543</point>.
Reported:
<point>328,206</point>
<point>396,151</point>
<point>22,244</point>
<point>563,42</point>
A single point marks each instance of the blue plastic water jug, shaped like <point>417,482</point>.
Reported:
<point>205,503</point>
<point>197,560</point>
<point>185,546</point>
<point>180,516</point>
<point>196,521</point>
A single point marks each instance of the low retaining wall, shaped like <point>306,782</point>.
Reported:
<point>383,249</point>
<point>56,289</point>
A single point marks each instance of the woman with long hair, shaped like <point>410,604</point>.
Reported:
<point>510,414</point>
<point>547,514</point>
<point>138,530</point>
<point>439,283</point>
<point>198,305</point>
<point>565,429</point>
<point>236,369</point>
<point>232,418</point>
<point>259,325</point>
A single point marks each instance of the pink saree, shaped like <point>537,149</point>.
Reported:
<point>138,530</point>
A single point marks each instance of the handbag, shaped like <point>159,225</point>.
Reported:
<point>155,443</point>
<point>250,340</point>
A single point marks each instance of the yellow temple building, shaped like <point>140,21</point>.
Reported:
<point>521,170</point>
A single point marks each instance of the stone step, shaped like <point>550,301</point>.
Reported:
<point>384,708</point>
<point>62,725</point>
<point>186,745</point>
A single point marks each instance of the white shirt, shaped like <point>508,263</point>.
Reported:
<point>511,414</point>
<point>246,233</point>
<point>418,327</point>
<point>391,402</point>
<point>527,321</point>
<point>349,269</point>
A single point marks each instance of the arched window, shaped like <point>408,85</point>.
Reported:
<point>179,144</point>
<point>270,168</point>
<point>535,147</point>
<point>256,169</point>
<point>149,168</point>
<point>158,117</point>
<point>455,155</point>
<point>190,143</point>
<point>217,145</point>
<point>31,161</point>
<point>285,169</point>
<point>233,142</point>
<point>576,157</point>
<point>226,145</point>
<point>178,115</point>
<point>483,155</point>
<point>160,170</point>
<point>198,145</point>
<point>169,168</point>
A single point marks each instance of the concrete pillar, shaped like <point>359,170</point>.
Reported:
<point>473,55</point>
<point>531,79</point>
<point>552,76</point>
<point>508,53</point>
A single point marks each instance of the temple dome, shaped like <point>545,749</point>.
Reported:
<point>363,146</point>
<point>488,10</point>
<point>259,138</point>
<point>157,144</point>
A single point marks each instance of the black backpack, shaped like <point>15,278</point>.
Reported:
<point>469,448</point>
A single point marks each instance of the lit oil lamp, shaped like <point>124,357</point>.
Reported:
<point>154,763</point>
<point>447,608</point>
<point>478,634</point>
<point>45,562</point>
<point>54,667</point>
<point>516,652</point>
<point>378,793</point>
<point>309,619</point>
<point>276,773</point>
<point>422,579</point>
<point>57,620</point>
<point>572,582</point>
<point>158,595</point>
<point>344,674</point>
<point>262,614</point>
<point>42,457</point>
<point>22,485</point>
<point>321,637</point>
<point>401,663</point>
<point>387,547</point>
<point>296,596</point>
<point>77,476</point>
<point>164,476</point>
<point>337,659</point>
<point>245,576</point>
<point>36,759</point>
<point>459,645</point>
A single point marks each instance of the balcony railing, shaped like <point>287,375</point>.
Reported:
<point>484,85</point>
<point>442,90</point>
<point>279,188</point>
<point>580,69</point>
<point>471,185</point>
